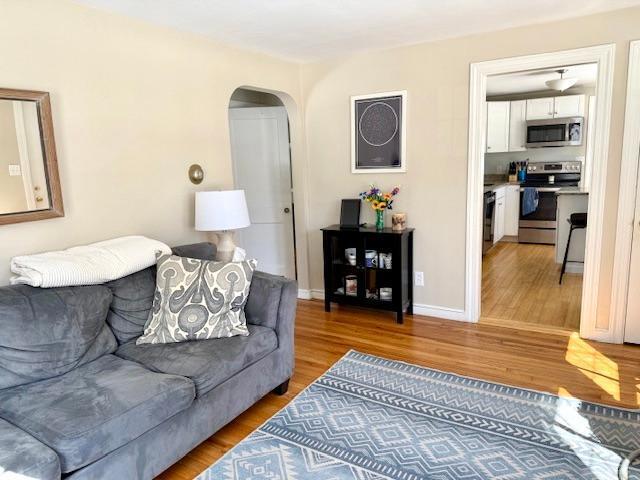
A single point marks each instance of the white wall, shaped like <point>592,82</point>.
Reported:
<point>133,106</point>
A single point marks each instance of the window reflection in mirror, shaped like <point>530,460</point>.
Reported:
<point>23,180</point>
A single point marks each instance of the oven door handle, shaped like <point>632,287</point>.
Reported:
<point>544,189</point>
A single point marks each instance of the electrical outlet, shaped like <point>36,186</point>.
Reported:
<point>14,171</point>
<point>419,279</point>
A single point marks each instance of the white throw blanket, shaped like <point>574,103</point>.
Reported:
<point>87,265</point>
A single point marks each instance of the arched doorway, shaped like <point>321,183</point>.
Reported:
<point>261,156</point>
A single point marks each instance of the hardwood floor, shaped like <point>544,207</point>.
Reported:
<point>520,285</point>
<point>556,363</point>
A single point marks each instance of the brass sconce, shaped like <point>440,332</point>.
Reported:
<point>196,174</point>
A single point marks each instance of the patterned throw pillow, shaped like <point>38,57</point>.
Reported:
<point>198,299</point>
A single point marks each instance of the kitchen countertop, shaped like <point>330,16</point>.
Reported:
<point>497,185</point>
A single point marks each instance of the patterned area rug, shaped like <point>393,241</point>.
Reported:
<point>369,418</point>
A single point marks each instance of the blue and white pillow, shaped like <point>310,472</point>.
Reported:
<point>198,299</point>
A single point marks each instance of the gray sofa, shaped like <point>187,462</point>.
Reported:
<point>80,400</point>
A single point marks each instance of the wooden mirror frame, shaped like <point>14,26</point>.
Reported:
<point>43,106</point>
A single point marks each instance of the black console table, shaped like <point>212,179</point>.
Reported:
<point>353,277</point>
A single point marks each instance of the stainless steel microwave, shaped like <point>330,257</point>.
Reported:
<point>555,132</point>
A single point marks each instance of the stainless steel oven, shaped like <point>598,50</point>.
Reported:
<point>555,132</point>
<point>539,226</point>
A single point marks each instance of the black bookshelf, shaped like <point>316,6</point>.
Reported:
<point>373,281</point>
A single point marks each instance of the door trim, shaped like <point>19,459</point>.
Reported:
<point>604,56</point>
<point>627,197</point>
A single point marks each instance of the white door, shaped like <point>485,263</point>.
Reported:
<point>569,106</point>
<point>262,168</point>
<point>497,127</point>
<point>632,325</point>
<point>539,108</point>
<point>518,126</point>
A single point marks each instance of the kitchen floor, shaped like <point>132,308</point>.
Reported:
<point>520,288</point>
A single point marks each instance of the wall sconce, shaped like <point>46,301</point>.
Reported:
<point>196,174</point>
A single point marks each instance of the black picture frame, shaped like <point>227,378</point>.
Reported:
<point>378,125</point>
<point>350,213</point>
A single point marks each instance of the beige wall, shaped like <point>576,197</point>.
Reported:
<point>12,196</point>
<point>436,76</point>
<point>133,106</point>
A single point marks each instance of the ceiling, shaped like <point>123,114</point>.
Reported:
<point>308,30</point>
<point>534,80</point>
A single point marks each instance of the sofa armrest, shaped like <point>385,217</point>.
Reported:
<point>22,456</point>
<point>272,303</point>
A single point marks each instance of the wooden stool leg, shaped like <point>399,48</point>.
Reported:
<point>566,255</point>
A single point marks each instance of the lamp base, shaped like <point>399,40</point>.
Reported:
<point>225,247</point>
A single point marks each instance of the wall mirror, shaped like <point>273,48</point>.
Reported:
<point>29,182</point>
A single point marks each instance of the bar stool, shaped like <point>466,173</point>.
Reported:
<point>576,220</point>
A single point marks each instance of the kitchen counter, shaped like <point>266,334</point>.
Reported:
<point>497,185</point>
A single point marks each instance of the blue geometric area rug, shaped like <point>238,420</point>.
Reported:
<point>369,418</point>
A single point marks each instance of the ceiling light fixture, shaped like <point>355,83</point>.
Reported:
<point>561,84</point>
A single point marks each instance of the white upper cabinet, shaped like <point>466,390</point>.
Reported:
<point>518,126</point>
<point>498,126</point>
<point>569,106</point>
<point>540,108</point>
<point>555,107</point>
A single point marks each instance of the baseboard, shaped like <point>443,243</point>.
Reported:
<point>574,267</point>
<point>418,309</point>
<point>304,294</point>
<point>317,294</point>
<point>440,312</point>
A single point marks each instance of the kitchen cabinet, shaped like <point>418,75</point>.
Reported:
<point>498,224</point>
<point>569,106</point>
<point>517,126</point>
<point>555,107</point>
<point>498,126</point>
<point>511,210</point>
<point>540,108</point>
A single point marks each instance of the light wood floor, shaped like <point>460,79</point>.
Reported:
<point>520,285</point>
<point>556,363</point>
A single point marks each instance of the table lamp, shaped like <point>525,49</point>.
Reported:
<point>222,211</point>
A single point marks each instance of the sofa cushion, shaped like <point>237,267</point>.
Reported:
<point>201,251</point>
<point>131,304</point>
<point>22,456</point>
<point>96,408</point>
<point>207,362</point>
<point>48,332</point>
<point>133,294</point>
<point>264,300</point>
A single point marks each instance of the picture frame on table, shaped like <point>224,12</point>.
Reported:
<point>378,132</point>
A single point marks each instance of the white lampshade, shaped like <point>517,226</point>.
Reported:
<point>221,210</point>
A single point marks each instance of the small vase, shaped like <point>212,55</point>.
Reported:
<point>379,219</point>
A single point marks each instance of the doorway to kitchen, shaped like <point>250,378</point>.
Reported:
<point>538,146</point>
<point>537,163</point>
<point>260,150</point>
